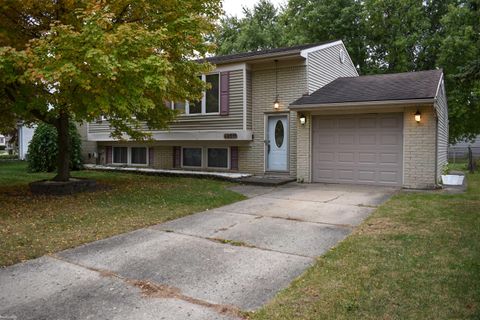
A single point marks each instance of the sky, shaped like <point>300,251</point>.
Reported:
<point>234,7</point>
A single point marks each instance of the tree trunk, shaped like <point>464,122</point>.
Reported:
<point>63,157</point>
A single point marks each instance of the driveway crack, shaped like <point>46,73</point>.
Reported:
<point>150,289</point>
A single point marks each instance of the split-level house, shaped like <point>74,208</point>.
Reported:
<point>302,112</point>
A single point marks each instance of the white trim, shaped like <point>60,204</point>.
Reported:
<point>233,67</point>
<point>304,53</point>
<point>203,102</point>
<point>218,168</point>
<point>198,135</point>
<point>439,86</point>
<point>311,107</point>
<point>244,98</point>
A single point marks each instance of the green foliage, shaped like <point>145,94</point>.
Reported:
<point>381,36</point>
<point>259,30</point>
<point>78,60</point>
<point>43,149</point>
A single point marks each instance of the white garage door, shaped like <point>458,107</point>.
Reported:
<point>360,149</point>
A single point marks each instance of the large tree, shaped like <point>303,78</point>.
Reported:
<point>260,29</point>
<point>76,60</point>
<point>459,55</point>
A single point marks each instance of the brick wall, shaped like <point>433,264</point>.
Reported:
<point>419,148</point>
<point>162,157</point>
<point>304,154</point>
<point>292,84</point>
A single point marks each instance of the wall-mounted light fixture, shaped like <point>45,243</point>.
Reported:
<point>276,103</point>
<point>303,119</point>
<point>418,116</point>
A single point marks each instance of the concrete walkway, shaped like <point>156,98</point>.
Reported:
<point>208,265</point>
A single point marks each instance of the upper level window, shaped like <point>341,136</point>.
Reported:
<point>212,96</point>
<point>210,102</point>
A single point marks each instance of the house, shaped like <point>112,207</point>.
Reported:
<point>25,134</point>
<point>3,142</point>
<point>302,112</point>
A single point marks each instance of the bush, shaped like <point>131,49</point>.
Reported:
<point>2,148</point>
<point>43,149</point>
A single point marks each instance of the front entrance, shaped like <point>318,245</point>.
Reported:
<point>277,143</point>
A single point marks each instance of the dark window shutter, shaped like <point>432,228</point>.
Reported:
<point>108,155</point>
<point>234,158</point>
<point>177,157</point>
<point>151,159</point>
<point>224,93</point>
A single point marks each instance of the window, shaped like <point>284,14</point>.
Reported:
<point>180,106</point>
<point>217,157</point>
<point>120,155</point>
<point>212,96</point>
<point>209,104</point>
<point>192,157</point>
<point>138,155</point>
<point>194,107</point>
<point>130,155</point>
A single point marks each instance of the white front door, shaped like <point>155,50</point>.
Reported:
<point>277,143</point>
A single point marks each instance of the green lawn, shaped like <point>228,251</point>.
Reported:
<point>416,257</point>
<point>31,226</point>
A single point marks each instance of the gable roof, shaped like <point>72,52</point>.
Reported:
<point>385,87</point>
<point>269,53</point>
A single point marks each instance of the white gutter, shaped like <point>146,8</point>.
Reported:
<point>304,53</point>
<point>307,107</point>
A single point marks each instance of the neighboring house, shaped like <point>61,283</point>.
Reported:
<point>3,141</point>
<point>301,112</point>
<point>25,134</point>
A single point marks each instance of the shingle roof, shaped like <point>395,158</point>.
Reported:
<point>236,57</point>
<point>396,86</point>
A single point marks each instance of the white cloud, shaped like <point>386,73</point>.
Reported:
<point>234,7</point>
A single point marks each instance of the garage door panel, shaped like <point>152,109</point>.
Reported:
<point>346,139</point>
<point>327,139</point>
<point>367,157</point>
<point>367,139</point>
<point>367,123</point>
<point>347,123</point>
<point>363,149</point>
<point>348,157</point>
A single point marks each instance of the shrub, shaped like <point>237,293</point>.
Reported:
<point>43,149</point>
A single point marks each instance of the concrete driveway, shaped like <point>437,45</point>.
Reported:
<point>208,265</point>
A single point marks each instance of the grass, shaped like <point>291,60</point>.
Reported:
<point>416,257</point>
<point>31,226</point>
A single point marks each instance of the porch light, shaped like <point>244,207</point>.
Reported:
<point>418,116</point>
<point>276,104</point>
<point>303,119</point>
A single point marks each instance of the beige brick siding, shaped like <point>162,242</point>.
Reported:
<point>291,85</point>
<point>419,157</point>
<point>304,152</point>
<point>162,157</point>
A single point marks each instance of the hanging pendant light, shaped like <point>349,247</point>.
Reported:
<point>276,103</point>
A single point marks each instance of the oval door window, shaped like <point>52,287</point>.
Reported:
<point>279,133</point>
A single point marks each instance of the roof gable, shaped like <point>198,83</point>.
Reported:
<point>396,86</point>
<point>252,55</point>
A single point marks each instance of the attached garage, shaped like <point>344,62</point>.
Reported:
<point>359,149</point>
<point>386,130</point>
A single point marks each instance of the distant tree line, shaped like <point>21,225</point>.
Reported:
<point>382,36</point>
